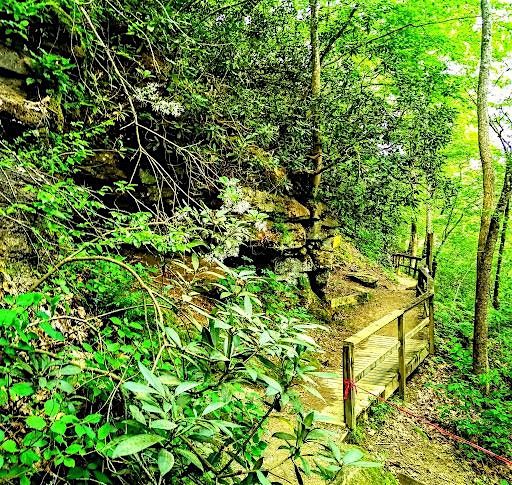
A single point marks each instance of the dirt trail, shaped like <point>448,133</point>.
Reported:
<point>414,452</point>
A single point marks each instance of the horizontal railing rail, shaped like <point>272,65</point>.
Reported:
<point>408,262</point>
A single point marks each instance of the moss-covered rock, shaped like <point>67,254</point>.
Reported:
<point>276,206</point>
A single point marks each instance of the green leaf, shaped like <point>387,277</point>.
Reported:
<point>284,436</point>
<point>35,422</point>
<point>262,478</point>
<point>248,306</point>
<point>58,427</point>
<point>185,387</point>
<point>138,388</point>
<point>51,407</point>
<point>137,414</point>
<point>352,455</point>
<point>271,383</point>
<point>51,332</point>
<point>69,370</point>
<point>165,461</point>
<point>22,389</point>
<point>10,446</point>
<point>191,457</point>
<point>173,335</point>
<point>7,317</point>
<point>163,424</point>
<point>105,430</point>
<point>214,406</point>
<point>133,444</point>
<point>151,379</point>
<point>29,457</point>
<point>28,299</point>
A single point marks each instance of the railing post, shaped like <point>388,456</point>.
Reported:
<point>430,250</point>
<point>431,325</point>
<point>401,357</point>
<point>349,391</point>
<point>415,267</point>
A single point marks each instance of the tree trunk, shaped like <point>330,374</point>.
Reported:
<point>483,280</point>
<point>316,138</point>
<point>503,239</point>
<point>483,124</point>
<point>413,241</point>
<point>484,255</point>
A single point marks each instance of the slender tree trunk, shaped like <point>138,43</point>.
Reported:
<point>413,241</point>
<point>484,255</point>
<point>503,239</point>
<point>316,145</point>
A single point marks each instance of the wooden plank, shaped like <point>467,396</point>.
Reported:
<point>384,381</point>
<point>349,395</point>
<point>368,331</point>
<point>378,348</point>
<point>401,357</point>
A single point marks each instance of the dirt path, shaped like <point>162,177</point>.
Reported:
<point>416,453</point>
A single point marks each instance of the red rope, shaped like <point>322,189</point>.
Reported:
<point>348,384</point>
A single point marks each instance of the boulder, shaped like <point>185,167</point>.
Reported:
<point>14,104</point>
<point>276,206</point>
<point>282,236</point>
<point>349,300</point>
<point>364,279</point>
<point>13,63</point>
<point>294,266</point>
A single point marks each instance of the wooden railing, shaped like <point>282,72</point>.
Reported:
<point>425,296</point>
<point>407,262</point>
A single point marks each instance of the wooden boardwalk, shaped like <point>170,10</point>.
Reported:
<point>376,365</point>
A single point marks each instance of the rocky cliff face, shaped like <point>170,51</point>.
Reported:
<point>18,110</point>
<point>295,245</point>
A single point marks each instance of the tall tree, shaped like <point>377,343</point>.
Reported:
<point>316,149</point>
<point>483,276</point>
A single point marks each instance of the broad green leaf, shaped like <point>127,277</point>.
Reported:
<point>163,424</point>
<point>185,387</point>
<point>284,436</point>
<point>10,446</point>
<point>173,335</point>
<point>352,455</point>
<point>58,427</point>
<point>35,422</point>
<point>69,370</point>
<point>28,299</point>
<point>138,388</point>
<point>271,383</point>
<point>191,457</point>
<point>22,389</point>
<point>133,444</point>
<point>7,317</point>
<point>262,478</point>
<point>214,406</point>
<point>165,462</point>
<point>51,407</point>
<point>151,379</point>
<point>137,414</point>
<point>51,332</point>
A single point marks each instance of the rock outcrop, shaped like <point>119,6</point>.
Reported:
<point>15,104</point>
